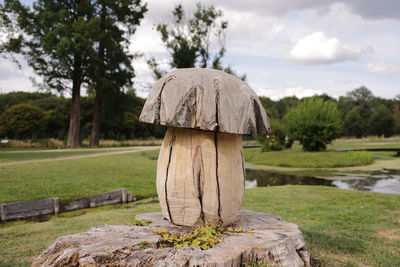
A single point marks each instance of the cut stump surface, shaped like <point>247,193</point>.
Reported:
<point>272,241</point>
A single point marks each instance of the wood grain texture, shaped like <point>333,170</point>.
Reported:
<point>205,99</point>
<point>277,242</point>
<point>200,176</point>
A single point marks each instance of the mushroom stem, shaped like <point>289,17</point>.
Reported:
<point>200,177</point>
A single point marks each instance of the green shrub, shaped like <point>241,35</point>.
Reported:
<point>276,140</point>
<point>315,123</point>
<point>22,121</point>
<point>270,143</point>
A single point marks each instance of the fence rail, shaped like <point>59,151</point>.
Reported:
<point>31,208</point>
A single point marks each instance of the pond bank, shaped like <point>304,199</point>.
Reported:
<point>376,165</point>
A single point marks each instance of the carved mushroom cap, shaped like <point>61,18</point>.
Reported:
<point>205,99</point>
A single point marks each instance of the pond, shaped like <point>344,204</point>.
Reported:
<point>382,181</point>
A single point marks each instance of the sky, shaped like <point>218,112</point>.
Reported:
<point>285,48</point>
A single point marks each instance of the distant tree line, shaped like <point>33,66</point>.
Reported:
<point>85,44</point>
<point>362,113</point>
<point>45,115</point>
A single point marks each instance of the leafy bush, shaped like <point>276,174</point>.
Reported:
<point>22,121</point>
<point>276,140</point>
<point>204,237</point>
<point>315,123</point>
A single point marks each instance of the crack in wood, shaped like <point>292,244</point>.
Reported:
<point>171,144</point>
<point>216,146</point>
<point>198,168</point>
<point>243,168</point>
<point>169,98</point>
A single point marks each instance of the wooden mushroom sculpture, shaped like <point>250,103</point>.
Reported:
<point>200,171</point>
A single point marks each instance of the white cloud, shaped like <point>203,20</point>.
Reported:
<point>370,9</point>
<point>298,91</point>
<point>14,79</point>
<point>317,48</point>
<point>383,68</point>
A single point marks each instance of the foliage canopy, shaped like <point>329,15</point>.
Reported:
<point>194,40</point>
<point>22,121</point>
<point>315,123</point>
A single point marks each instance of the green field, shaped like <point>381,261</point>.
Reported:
<point>298,158</point>
<point>77,178</point>
<point>367,142</point>
<point>8,156</point>
<point>341,228</point>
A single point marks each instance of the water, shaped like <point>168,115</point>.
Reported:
<point>382,181</point>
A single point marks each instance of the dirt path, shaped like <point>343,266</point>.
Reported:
<point>74,149</point>
<point>122,151</point>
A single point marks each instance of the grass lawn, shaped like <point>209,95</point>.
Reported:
<point>299,158</point>
<point>77,178</point>
<point>367,142</point>
<point>20,156</point>
<point>342,228</point>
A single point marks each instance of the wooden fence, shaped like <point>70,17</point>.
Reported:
<point>31,208</point>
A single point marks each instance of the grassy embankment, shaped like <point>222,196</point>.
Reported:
<point>341,228</point>
<point>295,157</point>
<point>77,178</point>
<point>298,158</point>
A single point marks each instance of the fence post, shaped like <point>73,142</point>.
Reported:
<point>129,197</point>
<point>2,213</point>
<point>124,195</point>
<point>56,205</point>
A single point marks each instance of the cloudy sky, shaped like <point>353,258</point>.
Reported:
<point>284,47</point>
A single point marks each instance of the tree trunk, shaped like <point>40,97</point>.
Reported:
<point>200,177</point>
<point>75,116</point>
<point>95,135</point>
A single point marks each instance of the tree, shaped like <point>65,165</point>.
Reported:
<point>363,98</point>
<point>357,104</point>
<point>75,43</point>
<point>194,40</point>
<point>22,121</point>
<point>315,123</point>
<point>355,124</point>
<point>57,40</point>
<point>111,67</point>
<point>382,121</point>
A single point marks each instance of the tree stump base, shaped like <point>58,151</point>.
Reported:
<point>273,242</point>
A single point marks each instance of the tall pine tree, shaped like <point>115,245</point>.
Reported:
<point>111,68</point>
